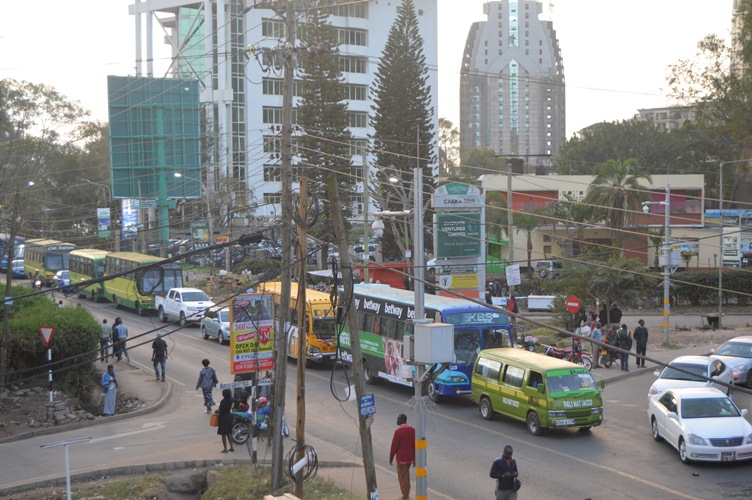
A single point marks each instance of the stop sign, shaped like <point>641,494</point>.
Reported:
<point>573,304</point>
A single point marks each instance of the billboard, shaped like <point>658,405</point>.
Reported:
<point>458,235</point>
<point>251,333</point>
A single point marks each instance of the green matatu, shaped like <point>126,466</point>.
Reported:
<point>542,391</point>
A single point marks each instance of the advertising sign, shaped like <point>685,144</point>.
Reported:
<point>200,234</point>
<point>458,235</point>
<point>251,333</point>
<point>461,281</point>
<point>457,195</point>
<point>130,219</point>
<point>513,275</point>
<point>103,222</point>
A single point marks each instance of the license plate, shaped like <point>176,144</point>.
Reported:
<point>728,456</point>
<point>568,421</point>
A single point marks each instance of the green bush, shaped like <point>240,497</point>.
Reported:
<point>270,267</point>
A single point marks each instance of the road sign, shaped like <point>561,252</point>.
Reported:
<point>573,304</point>
<point>513,275</point>
<point>46,333</point>
<point>367,405</point>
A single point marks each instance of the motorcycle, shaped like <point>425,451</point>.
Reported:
<point>243,426</point>
<point>572,354</point>
<point>528,342</point>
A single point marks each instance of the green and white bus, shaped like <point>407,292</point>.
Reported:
<point>46,257</point>
<point>124,290</point>
<point>87,264</point>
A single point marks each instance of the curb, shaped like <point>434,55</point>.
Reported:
<point>161,401</point>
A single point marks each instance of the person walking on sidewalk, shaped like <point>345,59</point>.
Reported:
<point>624,341</point>
<point>641,342</point>
<point>207,379</point>
<point>110,387</point>
<point>120,334</point>
<point>225,419</point>
<point>403,448</point>
<point>159,355</point>
<point>104,341</point>
<point>596,335</point>
<point>504,470</point>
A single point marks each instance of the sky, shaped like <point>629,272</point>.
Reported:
<point>616,52</point>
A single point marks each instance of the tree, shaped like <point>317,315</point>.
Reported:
<point>449,147</point>
<point>617,189</point>
<point>572,216</point>
<point>528,222</point>
<point>403,132</point>
<point>481,162</point>
<point>497,215</point>
<point>322,113</point>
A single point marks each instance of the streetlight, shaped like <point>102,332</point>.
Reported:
<point>666,257</point>
<point>105,186</point>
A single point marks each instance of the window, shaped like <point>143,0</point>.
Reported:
<point>488,368</point>
<point>350,64</point>
<point>272,87</point>
<point>272,28</point>
<point>271,114</point>
<point>272,144</point>
<point>357,119</point>
<point>357,92</point>
<point>513,376</point>
<point>272,173</point>
<point>350,36</point>
<point>273,198</point>
<point>359,10</point>
<point>358,146</point>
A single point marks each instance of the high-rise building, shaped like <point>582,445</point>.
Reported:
<point>512,84</point>
<point>242,91</point>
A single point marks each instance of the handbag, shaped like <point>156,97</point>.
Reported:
<point>517,484</point>
<point>214,420</point>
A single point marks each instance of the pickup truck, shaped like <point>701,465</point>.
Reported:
<point>185,304</point>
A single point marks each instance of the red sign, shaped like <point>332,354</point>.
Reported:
<point>46,333</point>
<point>573,304</point>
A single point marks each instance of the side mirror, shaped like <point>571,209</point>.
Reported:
<point>657,373</point>
<point>745,412</point>
<point>672,414</point>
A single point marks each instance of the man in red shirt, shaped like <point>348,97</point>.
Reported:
<point>403,446</point>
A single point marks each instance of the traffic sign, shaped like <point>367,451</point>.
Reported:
<point>573,304</point>
<point>367,405</point>
<point>46,333</point>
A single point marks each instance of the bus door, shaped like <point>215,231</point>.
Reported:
<point>467,345</point>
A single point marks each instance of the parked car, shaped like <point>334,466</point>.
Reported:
<point>703,424</point>
<point>548,269</point>
<point>17,269</point>
<point>216,323</point>
<point>62,279</point>
<point>737,353</point>
<point>700,366</point>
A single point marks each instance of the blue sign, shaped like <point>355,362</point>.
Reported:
<point>367,405</point>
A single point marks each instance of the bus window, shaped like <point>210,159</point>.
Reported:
<point>324,328</point>
<point>389,328</point>
<point>55,262</point>
<point>466,345</point>
<point>495,337</point>
<point>513,376</point>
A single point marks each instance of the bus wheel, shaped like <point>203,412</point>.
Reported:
<point>368,376</point>
<point>486,410</point>
<point>533,424</point>
<point>432,394</point>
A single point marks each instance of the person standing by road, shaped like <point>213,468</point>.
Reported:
<point>110,387</point>
<point>624,341</point>
<point>403,448</point>
<point>120,334</point>
<point>104,341</point>
<point>596,335</point>
<point>225,419</point>
<point>615,314</point>
<point>159,355</point>
<point>603,314</point>
<point>512,308</point>
<point>641,342</point>
<point>504,470</point>
<point>207,379</point>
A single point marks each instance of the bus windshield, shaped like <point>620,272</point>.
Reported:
<point>568,381</point>
<point>57,261</point>
<point>324,328</point>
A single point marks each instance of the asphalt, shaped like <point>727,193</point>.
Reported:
<point>335,464</point>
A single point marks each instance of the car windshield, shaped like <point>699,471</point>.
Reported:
<point>224,315</point>
<point>194,296</point>
<point>708,408</point>
<point>736,349</point>
<point>566,381</point>
<point>672,373</point>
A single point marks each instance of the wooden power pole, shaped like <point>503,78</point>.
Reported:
<point>302,328</point>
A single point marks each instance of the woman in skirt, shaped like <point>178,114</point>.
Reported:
<point>225,419</point>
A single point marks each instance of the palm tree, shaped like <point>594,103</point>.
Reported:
<point>617,189</point>
<point>529,222</point>
<point>573,216</point>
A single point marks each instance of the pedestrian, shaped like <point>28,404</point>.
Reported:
<point>403,447</point>
<point>159,355</point>
<point>611,341</point>
<point>603,314</point>
<point>225,419</point>
<point>110,387</point>
<point>60,304</point>
<point>504,470</point>
<point>624,341</point>
<point>120,336</point>
<point>596,335</point>
<point>104,341</point>
<point>239,396</point>
<point>512,307</point>
<point>615,314</point>
<point>641,342</point>
<point>207,379</point>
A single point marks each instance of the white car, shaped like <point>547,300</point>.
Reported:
<point>700,366</point>
<point>737,353</point>
<point>216,323</point>
<point>703,424</point>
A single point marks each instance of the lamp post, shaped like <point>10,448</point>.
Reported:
<point>666,257</point>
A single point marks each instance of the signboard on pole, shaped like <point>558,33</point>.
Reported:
<point>46,333</point>
<point>200,234</point>
<point>103,222</point>
<point>573,304</point>
<point>458,235</point>
<point>513,275</point>
<point>251,333</point>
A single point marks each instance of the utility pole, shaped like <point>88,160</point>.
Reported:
<point>280,359</point>
<point>302,328</point>
<point>366,442</point>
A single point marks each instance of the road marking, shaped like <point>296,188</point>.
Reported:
<point>147,427</point>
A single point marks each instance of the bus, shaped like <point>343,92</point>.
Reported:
<point>87,264</point>
<point>384,316</point>
<point>320,323</point>
<point>123,290</point>
<point>18,250</point>
<point>46,257</point>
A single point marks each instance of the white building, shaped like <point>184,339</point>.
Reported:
<point>209,42</point>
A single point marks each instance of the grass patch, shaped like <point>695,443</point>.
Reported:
<point>139,487</point>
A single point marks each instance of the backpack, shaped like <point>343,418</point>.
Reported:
<point>624,340</point>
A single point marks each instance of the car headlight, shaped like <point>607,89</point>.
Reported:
<point>596,411</point>
<point>696,440</point>
<point>748,440</point>
<point>458,379</point>
<point>738,368</point>
<point>315,350</point>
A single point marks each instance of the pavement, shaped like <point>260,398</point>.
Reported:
<point>335,464</point>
